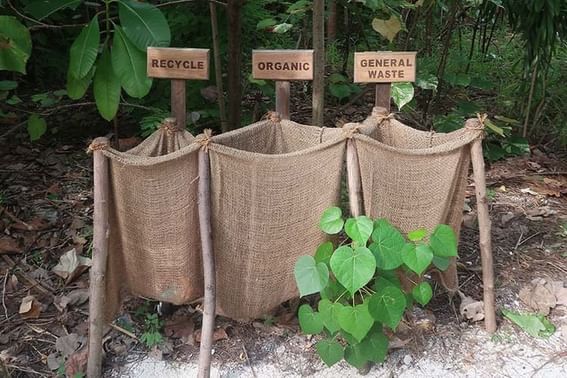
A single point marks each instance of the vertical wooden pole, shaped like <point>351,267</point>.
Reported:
<point>234,69</point>
<point>383,91</point>
<point>282,98</point>
<point>484,226</point>
<point>353,179</point>
<point>209,301</point>
<point>99,254</point>
<point>318,94</point>
<point>178,107</point>
<point>218,67</point>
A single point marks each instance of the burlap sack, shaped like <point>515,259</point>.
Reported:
<point>154,241</point>
<point>270,183</point>
<point>414,178</point>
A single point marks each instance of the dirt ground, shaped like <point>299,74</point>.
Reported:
<point>46,211</point>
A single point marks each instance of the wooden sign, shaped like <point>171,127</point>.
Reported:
<point>384,67</point>
<point>282,64</point>
<point>172,63</point>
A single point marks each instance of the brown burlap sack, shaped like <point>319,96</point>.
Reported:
<point>270,183</point>
<point>414,178</point>
<point>154,241</point>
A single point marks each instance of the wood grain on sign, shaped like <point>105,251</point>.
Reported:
<point>172,63</point>
<point>282,64</point>
<point>384,67</point>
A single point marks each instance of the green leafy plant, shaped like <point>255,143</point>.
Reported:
<point>152,326</point>
<point>360,293</point>
<point>341,87</point>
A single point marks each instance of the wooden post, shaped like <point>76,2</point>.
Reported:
<point>383,91</point>
<point>353,177</point>
<point>318,113</point>
<point>484,226</point>
<point>209,301</point>
<point>218,70</point>
<point>99,255</point>
<point>282,98</point>
<point>178,107</point>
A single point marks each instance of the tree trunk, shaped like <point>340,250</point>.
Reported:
<point>332,21</point>
<point>218,67</point>
<point>318,62</point>
<point>234,8</point>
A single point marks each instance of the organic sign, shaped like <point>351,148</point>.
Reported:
<point>384,67</point>
<point>172,63</point>
<point>282,64</point>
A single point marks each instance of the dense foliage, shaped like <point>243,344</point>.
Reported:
<point>496,56</point>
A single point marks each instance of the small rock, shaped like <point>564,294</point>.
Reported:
<point>408,359</point>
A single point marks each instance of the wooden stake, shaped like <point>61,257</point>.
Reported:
<point>353,176</point>
<point>282,98</point>
<point>484,226</point>
<point>209,301</point>
<point>218,67</point>
<point>383,92</point>
<point>99,254</point>
<point>318,113</point>
<point>178,107</point>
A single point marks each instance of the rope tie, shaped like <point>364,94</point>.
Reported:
<point>349,129</point>
<point>204,139</point>
<point>380,114</point>
<point>272,116</point>
<point>476,123</point>
<point>97,145</point>
<point>169,125</point>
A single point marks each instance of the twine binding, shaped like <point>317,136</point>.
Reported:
<point>97,145</point>
<point>204,139</point>
<point>272,116</point>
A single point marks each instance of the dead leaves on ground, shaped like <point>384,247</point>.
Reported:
<point>71,265</point>
<point>30,308</point>
<point>542,295</point>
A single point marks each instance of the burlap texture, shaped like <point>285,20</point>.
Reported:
<point>154,240</point>
<point>414,178</point>
<point>270,183</point>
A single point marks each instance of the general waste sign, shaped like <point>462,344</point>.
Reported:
<point>282,64</point>
<point>172,63</point>
<point>384,67</point>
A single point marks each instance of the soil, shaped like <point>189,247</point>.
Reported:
<point>46,211</point>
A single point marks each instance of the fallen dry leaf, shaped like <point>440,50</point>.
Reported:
<point>180,329</point>
<point>71,265</point>
<point>67,345</point>
<point>74,298</point>
<point>76,364</point>
<point>218,334</point>
<point>30,308</point>
<point>471,309</point>
<point>9,245</point>
<point>542,295</point>
<point>35,224</point>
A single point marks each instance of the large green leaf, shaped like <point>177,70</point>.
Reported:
<point>130,65</point>
<point>354,355</point>
<point>417,257</point>
<point>36,127</point>
<point>331,221</point>
<point>441,263</point>
<point>443,241</point>
<point>375,345</point>
<point>353,268</point>
<point>41,9</point>
<point>422,293</point>
<point>309,320</point>
<point>143,24</point>
<point>387,246</point>
<point>15,44</point>
<point>329,313</point>
<point>106,87</point>
<point>356,320</point>
<point>387,306</point>
<point>84,50</point>
<point>311,277</point>
<point>330,351</point>
<point>359,229</point>
<point>536,325</point>
<point>76,88</point>
<point>324,253</point>
<point>402,93</point>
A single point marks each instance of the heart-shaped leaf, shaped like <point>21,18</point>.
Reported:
<point>329,313</point>
<point>417,257</point>
<point>387,28</point>
<point>443,241</point>
<point>387,246</point>
<point>330,351</point>
<point>422,293</point>
<point>402,93</point>
<point>359,229</point>
<point>417,235</point>
<point>354,355</point>
<point>36,127</point>
<point>15,44</point>
<point>309,320</point>
<point>356,320</point>
<point>84,50</point>
<point>311,277</point>
<point>353,268</point>
<point>332,222</point>
<point>388,306</point>
<point>442,263</point>
<point>375,345</point>
<point>324,253</point>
